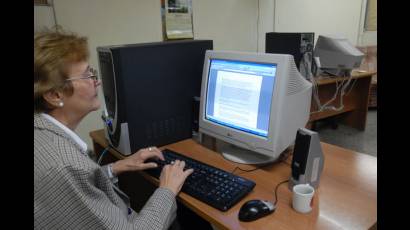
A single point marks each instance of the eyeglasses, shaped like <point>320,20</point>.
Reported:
<point>91,74</point>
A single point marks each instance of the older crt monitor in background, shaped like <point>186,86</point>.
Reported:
<point>149,91</point>
<point>254,101</point>
<point>337,56</point>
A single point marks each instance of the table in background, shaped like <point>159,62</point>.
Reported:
<point>345,199</point>
<point>356,102</point>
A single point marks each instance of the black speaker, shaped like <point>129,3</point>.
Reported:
<point>308,160</point>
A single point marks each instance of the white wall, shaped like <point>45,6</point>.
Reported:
<point>367,38</point>
<point>43,17</point>
<point>230,23</point>
<point>266,21</point>
<point>323,17</point>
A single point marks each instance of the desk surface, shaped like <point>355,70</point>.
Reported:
<point>323,80</point>
<point>345,199</point>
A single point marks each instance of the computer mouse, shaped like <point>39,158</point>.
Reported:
<point>255,209</point>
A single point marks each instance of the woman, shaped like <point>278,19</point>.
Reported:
<point>70,189</point>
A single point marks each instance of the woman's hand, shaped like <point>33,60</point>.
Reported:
<point>137,161</point>
<point>173,176</point>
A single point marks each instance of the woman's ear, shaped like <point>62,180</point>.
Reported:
<point>54,98</point>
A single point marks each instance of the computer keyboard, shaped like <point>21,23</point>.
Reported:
<point>215,187</point>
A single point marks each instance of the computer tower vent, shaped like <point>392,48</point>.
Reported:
<point>166,129</point>
<point>296,81</point>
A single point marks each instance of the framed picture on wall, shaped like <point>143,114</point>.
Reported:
<point>177,19</point>
<point>40,2</point>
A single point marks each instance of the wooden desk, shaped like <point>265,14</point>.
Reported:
<point>345,199</point>
<point>354,113</point>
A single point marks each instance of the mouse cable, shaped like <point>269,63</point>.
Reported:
<point>276,191</point>
<point>102,154</point>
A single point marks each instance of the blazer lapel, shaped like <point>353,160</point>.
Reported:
<point>42,123</point>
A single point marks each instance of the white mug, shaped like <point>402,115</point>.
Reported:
<point>302,197</point>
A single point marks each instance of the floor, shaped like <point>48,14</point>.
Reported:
<point>350,138</point>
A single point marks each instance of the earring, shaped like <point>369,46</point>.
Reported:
<point>61,104</point>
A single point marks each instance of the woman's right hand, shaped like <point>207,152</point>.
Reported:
<point>173,176</point>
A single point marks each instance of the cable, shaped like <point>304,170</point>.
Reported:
<point>102,154</point>
<point>276,191</point>
<point>342,93</point>
<point>305,64</point>
<point>315,92</point>
<point>285,155</point>
<point>332,99</point>
<point>306,70</point>
<point>351,87</point>
<point>283,160</point>
<point>286,163</point>
<point>342,87</point>
<point>338,87</point>
<point>250,170</point>
<point>277,186</point>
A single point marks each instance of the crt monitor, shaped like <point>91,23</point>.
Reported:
<point>254,101</point>
<point>336,55</point>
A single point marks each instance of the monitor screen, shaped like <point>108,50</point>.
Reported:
<point>239,95</point>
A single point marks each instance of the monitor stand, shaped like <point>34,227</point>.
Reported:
<point>244,156</point>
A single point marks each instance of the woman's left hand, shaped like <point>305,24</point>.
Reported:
<point>137,161</point>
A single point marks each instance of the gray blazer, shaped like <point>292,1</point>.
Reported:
<point>71,191</point>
